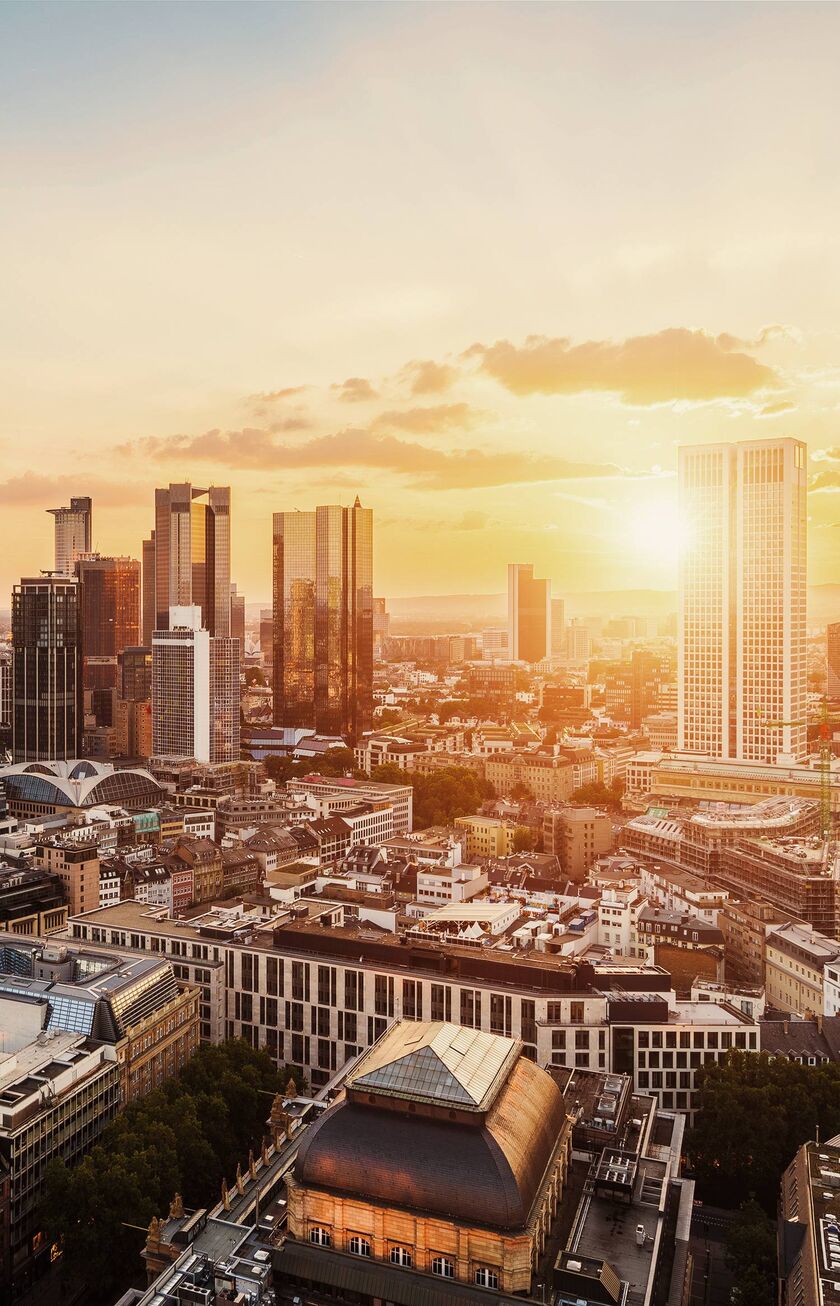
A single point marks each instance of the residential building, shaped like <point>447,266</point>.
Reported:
<point>798,877</point>
<point>73,533</point>
<point>192,555</point>
<point>344,792</point>
<point>323,619</point>
<point>742,597</point>
<point>796,957</point>
<point>195,691</point>
<point>745,924</point>
<point>47,669</point>
<point>578,836</point>
<point>486,836</point>
<point>548,777</point>
<point>33,902</point>
<point>77,867</point>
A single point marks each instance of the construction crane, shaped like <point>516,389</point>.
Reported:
<point>825,721</point>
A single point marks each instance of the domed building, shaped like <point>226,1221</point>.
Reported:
<point>69,787</point>
<point>447,1155</point>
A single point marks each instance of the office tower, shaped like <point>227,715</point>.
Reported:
<point>73,533</point>
<point>266,636</point>
<point>381,626</point>
<point>632,689</point>
<point>149,612</point>
<point>578,641</point>
<point>529,614</point>
<point>237,620</point>
<point>742,599</point>
<point>558,628</point>
<point>323,619</point>
<point>833,659</point>
<point>494,642</point>
<point>195,691</point>
<point>135,673</point>
<point>192,554</point>
<point>110,613</point>
<point>5,684</point>
<point>46,669</point>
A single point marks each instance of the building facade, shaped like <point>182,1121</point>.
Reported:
<point>46,669</point>
<point>192,554</point>
<point>742,597</point>
<point>529,614</point>
<point>195,691</point>
<point>73,533</point>
<point>322,625</point>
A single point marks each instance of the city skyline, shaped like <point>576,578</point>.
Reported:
<point>488,347</point>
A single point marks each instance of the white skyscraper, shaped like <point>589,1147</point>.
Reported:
<point>742,600</point>
<point>195,691</point>
<point>73,534</point>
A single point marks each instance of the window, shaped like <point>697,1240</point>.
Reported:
<point>441,1002</point>
<point>401,1256</point>
<point>320,1236</point>
<point>486,1278</point>
<point>443,1267</point>
<point>359,1246</point>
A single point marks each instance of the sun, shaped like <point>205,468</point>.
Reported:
<point>657,532</point>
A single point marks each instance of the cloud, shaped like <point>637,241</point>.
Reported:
<point>428,421</point>
<point>777,409</point>
<point>255,448</point>
<point>669,366</point>
<point>32,489</point>
<point>278,396</point>
<point>471,521</point>
<point>426,377</point>
<point>826,455</point>
<point>355,390</point>
<point>829,480</point>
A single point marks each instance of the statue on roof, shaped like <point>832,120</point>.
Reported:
<point>176,1207</point>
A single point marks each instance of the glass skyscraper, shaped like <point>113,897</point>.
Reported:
<point>192,555</point>
<point>73,533</point>
<point>46,669</point>
<point>110,605</point>
<point>323,619</point>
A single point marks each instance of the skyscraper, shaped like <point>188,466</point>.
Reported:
<point>46,669</point>
<point>192,554</point>
<point>558,628</point>
<point>110,607</point>
<point>323,619</point>
<point>195,691</point>
<point>237,620</point>
<point>73,533</point>
<point>832,635</point>
<point>529,614</point>
<point>148,618</point>
<point>742,600</point>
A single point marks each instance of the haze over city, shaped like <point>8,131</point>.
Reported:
<point>487,266</point>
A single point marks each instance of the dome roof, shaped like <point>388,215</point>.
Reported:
<point>486,1173</point>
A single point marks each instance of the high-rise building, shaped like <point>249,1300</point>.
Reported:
<point>578,641</point>
<point>135,673</point>
<point>46,669</point>
<point>149,612</point>
<point>833,651</point>
<point>237,620</point>
<point>742,600</point>
<point>5,685</point>
<point>195,691</point>
<point>323,619</point>
<point>632,689</point>
<point>73,533</point>
<point>381,626</point>
<point>192,554</point>
<point>110,615</point>
<point>558,628</point>
<point>266,636</point>
<point>529,614</point>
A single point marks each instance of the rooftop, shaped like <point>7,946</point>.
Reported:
<point>436,1062</point>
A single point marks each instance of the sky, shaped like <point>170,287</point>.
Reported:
<point>487,266</point>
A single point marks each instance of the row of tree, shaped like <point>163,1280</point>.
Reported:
<point>183,1138</point>
<point>442,795</point>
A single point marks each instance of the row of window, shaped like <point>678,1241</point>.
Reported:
<point>484,1275</point>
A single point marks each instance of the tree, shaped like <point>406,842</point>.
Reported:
<point>524,839</point>
<point>754,1113</point>
<point>751,1254</point>
<point>597,794</point>
<point>184,1137</point>
<point>440,796</point>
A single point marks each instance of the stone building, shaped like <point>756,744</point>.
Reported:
<point>448,1154</point>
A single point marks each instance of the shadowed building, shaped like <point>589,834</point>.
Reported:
<point>46,669</point>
